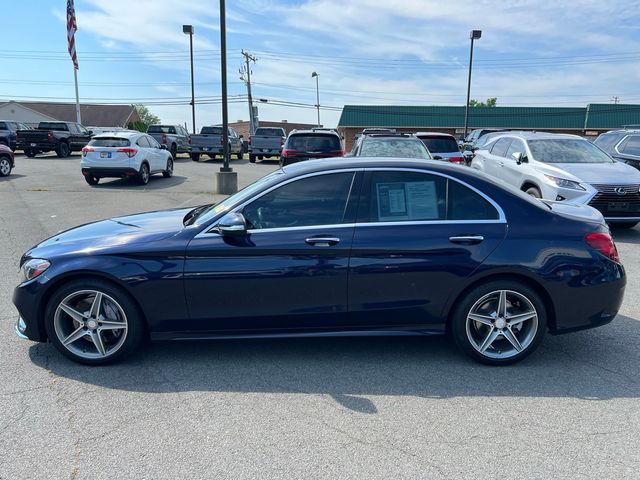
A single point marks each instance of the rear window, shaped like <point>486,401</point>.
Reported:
<point>161,129</point>
<point>270,132</point>
<point>53,126</point>
<point>109,142</point>
<point>567,150</point>
<point>438,144</point>
<point>314,143</point>
<point>3,126</point>
<point>394,147</point>
<point>211,130</point>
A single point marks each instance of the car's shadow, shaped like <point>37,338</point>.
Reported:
<point>156,182</point>
<point>593,365</point>
<point>628,235</point>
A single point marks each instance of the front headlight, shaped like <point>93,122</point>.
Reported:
<point>564,183</point>
<point>33,268</point>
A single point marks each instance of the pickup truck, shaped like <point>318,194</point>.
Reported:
<point>266,142</point>
<point>175,137</point>
<point>209,142</point>
<point>61,137</point>
<point>8,136</point>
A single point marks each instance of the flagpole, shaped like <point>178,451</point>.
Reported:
<point>75,77</point>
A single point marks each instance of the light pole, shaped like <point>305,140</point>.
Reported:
<point>226,178</point>
<point>188,30</point>
<point>315,74</point>
<point>475,35</point>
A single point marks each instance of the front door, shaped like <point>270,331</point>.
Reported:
<point>289,272</point>
<point>418,236</point>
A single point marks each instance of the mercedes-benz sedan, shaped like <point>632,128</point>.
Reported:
<point>330,247</point>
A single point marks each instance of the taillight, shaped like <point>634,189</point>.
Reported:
<point>189,139</point>
<point>456,159</point>
<point>131,152</point>
<point>286,152</point>
<point>603,243</point>
<point>49,136</point>
<point>164,138</point>
<point>86,150</point>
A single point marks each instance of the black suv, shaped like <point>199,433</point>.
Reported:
<point>622,145</point>
<point>308,144</point>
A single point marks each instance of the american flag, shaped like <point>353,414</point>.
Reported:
<point>71,32</point>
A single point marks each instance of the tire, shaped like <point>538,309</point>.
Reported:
<point>240,155</point>
<point>195,157</point>
<point>534,192</point>
<point>91,180</point>
<point>5,166</point>
<point>174,151</point>
<point>144,174</point>
<point>482,337</point>
<point>623,225</point>
<point>252,159</point>
<point>95,343</point>
<point>30,153</point>
<point>63,150</point>
<point>168,173</point>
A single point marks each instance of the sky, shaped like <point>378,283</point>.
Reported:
<point>414,52</point>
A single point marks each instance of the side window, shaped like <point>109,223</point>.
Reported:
<point>152,142</point>
<point>516,146</point>
<point>143,142</point>
<point>83,130</point>
<point>317,200</point>
<point>500,147</point>
<point>632,146</point>
<point>172,130</point>
<point>414,196</point>
<point>73,128</point>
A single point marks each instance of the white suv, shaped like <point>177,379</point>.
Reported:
<point>564,168</point>
<point>125,154</point>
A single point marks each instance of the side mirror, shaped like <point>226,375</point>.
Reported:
<point>519,157</point>
<point>233,225</point>
<point>241,136</point>
<point>437,157</point>
<point>163,147</point>
<point>90,132</point>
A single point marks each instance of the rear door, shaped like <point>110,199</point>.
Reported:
<point>417,237</point>
<point>511,172</point>
<point>289,272</point>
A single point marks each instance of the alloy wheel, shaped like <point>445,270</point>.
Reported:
<point>502,324</point>
<point>90,324</point>
<point>5,167</point>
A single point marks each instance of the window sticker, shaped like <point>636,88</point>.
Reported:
<point>407,201</point>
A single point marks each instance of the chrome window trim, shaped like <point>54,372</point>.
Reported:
<point>621,142</point>
<point>501,216</point>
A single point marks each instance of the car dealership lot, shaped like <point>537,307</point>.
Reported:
<point>331,408</point>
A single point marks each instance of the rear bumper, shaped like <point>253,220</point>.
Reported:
<point>267,152</point>
<point>206,150</point>
<point>116,172</point>
<point>26,145</point>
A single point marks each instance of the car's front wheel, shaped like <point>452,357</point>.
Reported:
<point>534,192</point>
<point>63,150</point>
<point>93,322</point>
<point>500,322</point>
<point>168,172</point>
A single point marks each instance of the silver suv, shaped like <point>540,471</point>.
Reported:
<point>564,168</point>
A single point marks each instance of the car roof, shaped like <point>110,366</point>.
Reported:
<point>339,163</point>
<point>118,134</point>
<point>527,135</point>
<point>622,131</point>
<point>314,132</point>
<point>434,134</point>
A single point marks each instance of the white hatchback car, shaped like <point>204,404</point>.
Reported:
<point>564,168</point>
<point>125,154</point>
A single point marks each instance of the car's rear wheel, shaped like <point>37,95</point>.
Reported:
<point>63,150</point>
<point>252,158</point>
<point>30,153</point>
<point>168,172</point>
<point>195,157</point>
<point>499,323</point>
<point>534,192</point>
<point>5,166</point>
<point>623,225</point>
<point>144,174</point>
<point>91,180</point>
<point>93,322</point>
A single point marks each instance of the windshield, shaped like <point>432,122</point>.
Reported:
<point>211,211</point>
<point>394,147</point>
<point>438,144</point>
<point>270,132</point>
<point>314,143</point>
<point>109,142</point>
<point>567,150</point>
<point>211,131</point>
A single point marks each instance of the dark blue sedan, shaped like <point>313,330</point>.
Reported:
<point>330,247</point>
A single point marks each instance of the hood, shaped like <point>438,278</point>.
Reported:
<point>118,231</point>
<point>598,173</point>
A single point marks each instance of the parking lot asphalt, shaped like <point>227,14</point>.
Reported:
<point>304,408</point>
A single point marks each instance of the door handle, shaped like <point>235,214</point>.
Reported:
<point>323,241</point>
<point>466,239</point>
<point>502,164</point>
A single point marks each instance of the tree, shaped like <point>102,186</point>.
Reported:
<point>146,118</point>
<point>491,102</point>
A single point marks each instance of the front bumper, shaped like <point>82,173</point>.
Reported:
<point>27,299</point>
<point>21,328</point>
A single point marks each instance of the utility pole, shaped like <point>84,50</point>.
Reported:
<point>615,100</point>
<point>245,76</point>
